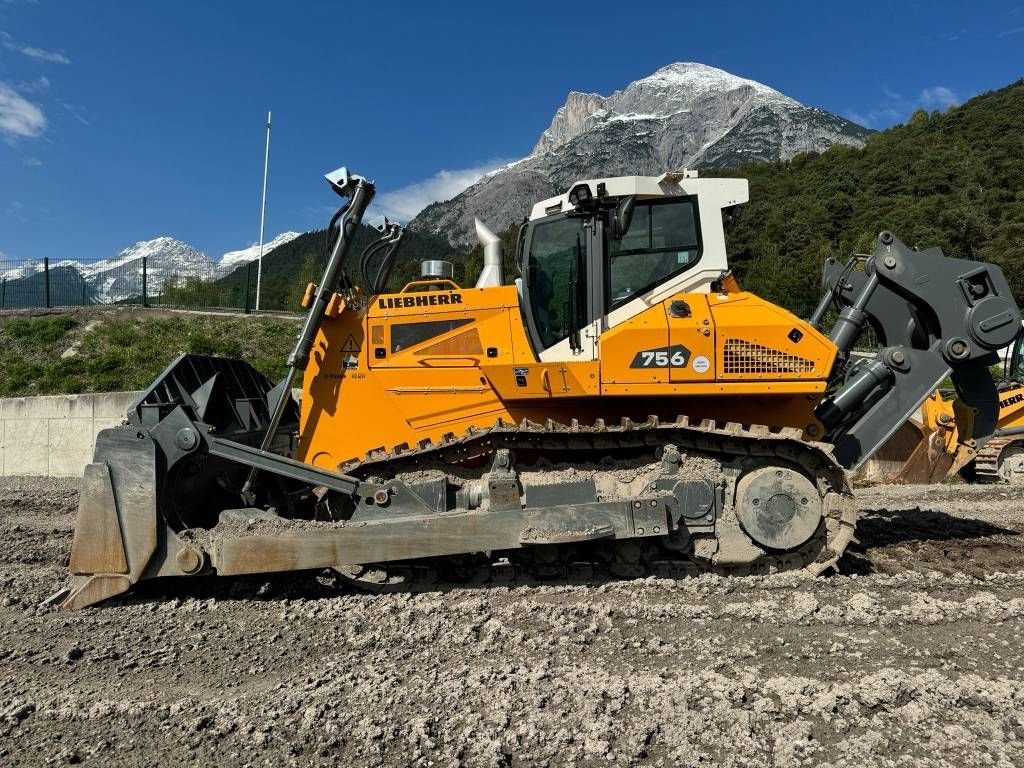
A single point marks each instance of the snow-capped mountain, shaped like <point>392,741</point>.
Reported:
<point>685,115</point>
<point>119,278</point>
<point>232,260</point>
<point>115,279</point>
<point>23,270</point>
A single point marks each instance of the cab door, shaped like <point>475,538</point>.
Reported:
<point>558,288</point>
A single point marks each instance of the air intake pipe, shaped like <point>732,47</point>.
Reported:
<point>491,274</point>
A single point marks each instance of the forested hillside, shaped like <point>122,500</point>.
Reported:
<point>953,180</point>
<point>290,267</point>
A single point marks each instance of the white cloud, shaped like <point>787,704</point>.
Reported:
<point>43,55</point>
<point>32,162</point>
<point>404,203</point>
<point>34,86</point>
<point>77,111</point>
<point>939,97</point>
<point>896,108</point>
<point>31,51</point>
<point>19,118</point>
<point>875,118</point>
<point>16,210</point>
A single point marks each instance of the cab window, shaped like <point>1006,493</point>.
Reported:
<point>552,266</point>
<point>663,239</point>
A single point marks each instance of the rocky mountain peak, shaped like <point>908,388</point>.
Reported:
<point>689,80</point>
<point>684,115</point>
<point>569,120</point>
<point>232,260</point>
<point>679,87</point>
<point>162,249</point>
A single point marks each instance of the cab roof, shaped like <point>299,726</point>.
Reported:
<point>720,193</point>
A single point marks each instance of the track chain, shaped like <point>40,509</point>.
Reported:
<point>730,443</point>
<point>988,459</point>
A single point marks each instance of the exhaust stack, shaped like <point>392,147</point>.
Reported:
<point>491,274</point>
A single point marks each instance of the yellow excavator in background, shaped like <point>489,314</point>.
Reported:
<point>623,409</point>
<point>929,448</point>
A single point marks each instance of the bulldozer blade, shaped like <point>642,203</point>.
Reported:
<point>116,529</point>
<point>98,546</point>
<point>155,476</point>
<point>89,590</point>
<point>914,454</point>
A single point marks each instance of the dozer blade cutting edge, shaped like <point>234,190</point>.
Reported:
<point>578,426</point>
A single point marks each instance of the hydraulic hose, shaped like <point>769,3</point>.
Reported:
<point>384,270</point>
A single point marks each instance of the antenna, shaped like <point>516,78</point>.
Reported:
<point>263,214</point>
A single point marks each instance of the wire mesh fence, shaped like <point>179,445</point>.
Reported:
<point>31,284</point>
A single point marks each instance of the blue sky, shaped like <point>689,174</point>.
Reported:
<point>121,121</point>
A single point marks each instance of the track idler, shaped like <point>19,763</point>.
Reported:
<point>778,507</point>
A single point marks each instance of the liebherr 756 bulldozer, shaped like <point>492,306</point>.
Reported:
<point>623,409</point>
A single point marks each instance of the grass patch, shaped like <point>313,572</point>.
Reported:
<point>39,330</point>
<point>126,350</point>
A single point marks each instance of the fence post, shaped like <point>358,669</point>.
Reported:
<point>46,279</point>
<point>3,293</point>
<point>145,299</point>
<point>83,293</point>
<point>248,287</point>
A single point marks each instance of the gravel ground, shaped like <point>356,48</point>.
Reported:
<point>911,657</point>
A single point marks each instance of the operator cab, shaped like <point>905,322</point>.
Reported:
<point>610,248</point>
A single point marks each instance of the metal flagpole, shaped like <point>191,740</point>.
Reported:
<point>263,213</point>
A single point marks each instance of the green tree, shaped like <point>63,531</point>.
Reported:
<point>309,273</point>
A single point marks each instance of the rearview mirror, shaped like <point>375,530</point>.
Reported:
<point>623,217</point>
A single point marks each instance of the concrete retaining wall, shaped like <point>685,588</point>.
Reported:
<point>54,436</point>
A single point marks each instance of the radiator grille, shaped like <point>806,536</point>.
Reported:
<point>741,356</point>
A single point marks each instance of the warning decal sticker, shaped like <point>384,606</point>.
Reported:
<point>351,345</point>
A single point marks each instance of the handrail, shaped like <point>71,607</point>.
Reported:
<point>475,361</point>
<point>454,286</point>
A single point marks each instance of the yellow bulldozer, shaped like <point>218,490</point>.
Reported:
<point>622,409</point>
<point>930,448</point>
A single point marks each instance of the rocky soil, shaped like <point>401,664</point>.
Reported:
<point>911,657</point>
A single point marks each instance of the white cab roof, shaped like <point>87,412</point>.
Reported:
<point>713,193</point>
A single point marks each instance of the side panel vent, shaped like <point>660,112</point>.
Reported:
<point>740,357</point>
